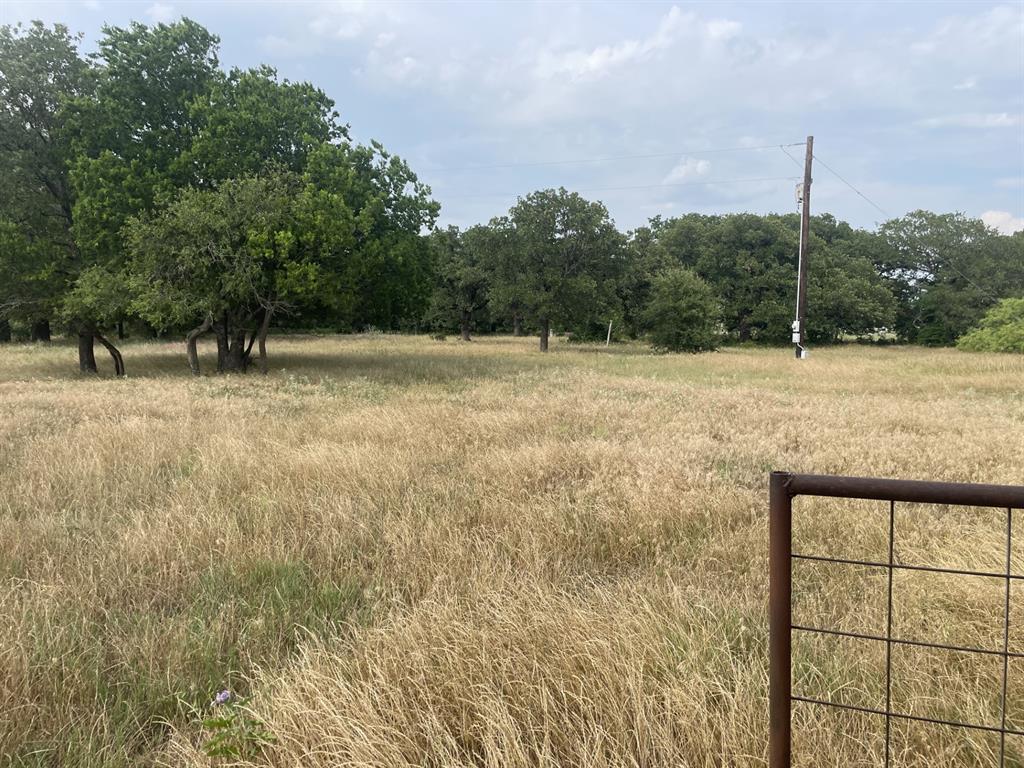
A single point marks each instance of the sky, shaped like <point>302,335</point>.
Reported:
<point>656,109</point>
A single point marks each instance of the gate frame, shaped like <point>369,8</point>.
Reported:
<point>783,488</point>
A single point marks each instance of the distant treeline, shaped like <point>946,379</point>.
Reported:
<point>146,188</point>
<point>924,278</point>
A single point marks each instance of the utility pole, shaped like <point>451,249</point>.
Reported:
<point>804,198</point>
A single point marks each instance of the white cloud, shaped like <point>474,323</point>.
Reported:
<point>161,13</point>
<point>722,29</point>
<point>973,120</point>
<point>1010,182</point>
<point>1003,221</point>
<point>687,168</point>
<point>399,68</point>
<point>287,47</point>
<point>507,83</point>
<point>351,19</point>
<point>598,62</point>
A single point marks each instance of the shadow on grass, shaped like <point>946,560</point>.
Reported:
<point>390,360</point>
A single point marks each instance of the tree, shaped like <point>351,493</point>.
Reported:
<point>131,140</point>
<point>844,293</point>
<point>384,274</point>
<point>1000,330</point>
<point>508,286</point>
<point>750,261</point>
<point>683,313</point>
<point>562,259</point>
<point>41,73</point>
<point>248,120</point>
<point>663,244</point>
<point>946,270</point>
<point>226,259</point>
<point>461,292</point>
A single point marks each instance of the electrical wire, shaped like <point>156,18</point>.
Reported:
<point>796,162</point>
<point>640,186</point>
<point>870,202</point>
<point>945,262</point>
<point>605,159</point>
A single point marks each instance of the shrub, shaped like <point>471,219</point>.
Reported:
<point>1000,330</point>
<point>683,313</point>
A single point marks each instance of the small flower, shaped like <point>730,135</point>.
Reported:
<point>221,698</point>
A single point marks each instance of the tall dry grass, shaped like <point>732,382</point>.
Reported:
<point>412,552</point>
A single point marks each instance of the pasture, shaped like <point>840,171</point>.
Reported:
<point>410,552</point>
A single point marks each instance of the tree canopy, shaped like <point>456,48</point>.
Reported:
<point>561,257</point>
<point>145,184</point>
<point>1000,330</point>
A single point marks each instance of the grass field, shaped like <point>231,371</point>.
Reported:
<point>421,553</point>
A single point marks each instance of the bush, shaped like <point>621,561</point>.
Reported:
<point>683,313</point>
<point>1000,330</point>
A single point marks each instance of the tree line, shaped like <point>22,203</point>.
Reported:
<point>146,186</point>
<point>695,281</point>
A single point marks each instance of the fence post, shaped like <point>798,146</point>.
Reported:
<point>780,619</point>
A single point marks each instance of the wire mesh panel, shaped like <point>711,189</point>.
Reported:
<point>784,487</point>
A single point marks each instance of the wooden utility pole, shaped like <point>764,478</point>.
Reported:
<point>805,237</point>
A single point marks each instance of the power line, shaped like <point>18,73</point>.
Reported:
<point>795,161</point>
<point>641,186</point>
<point>835,173</point>
<point>947,261</point>
<point>606,159</point>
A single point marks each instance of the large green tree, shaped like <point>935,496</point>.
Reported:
<point>41,73</point>
<point>131,137</point>
<point>462,285</point>
<point>683,312</point>
<point>248,119</point>
<point>845,295</point>
<point>226,259</point>
<point>562,260</point>
<point>383,275</point>
<point>1000,330</point>
<point>750,260</point>
<point>946,270</point>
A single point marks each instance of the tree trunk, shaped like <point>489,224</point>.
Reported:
<point>190,344</point>
<point>464,326</point>
<point>120,330</point>
<point>114,353</point>
<point>545,331</point>
<point>40,330</point>
<point>517,324</point>
<point>5,330</point>
<point>86,355</point>
<point>235,358</point>
<point>221,330</point>
<point>264,328</point>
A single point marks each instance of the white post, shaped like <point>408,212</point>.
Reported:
<point>609,339</point>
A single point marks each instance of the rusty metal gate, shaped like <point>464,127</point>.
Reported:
<point>784,487</point>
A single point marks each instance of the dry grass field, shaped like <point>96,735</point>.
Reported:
<point>407,552</point>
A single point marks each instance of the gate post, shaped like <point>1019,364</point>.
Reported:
<point>780,619</point>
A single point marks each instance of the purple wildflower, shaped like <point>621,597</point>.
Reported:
<point>221,698</point>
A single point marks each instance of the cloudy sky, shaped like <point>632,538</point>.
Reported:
<point>654,108</point>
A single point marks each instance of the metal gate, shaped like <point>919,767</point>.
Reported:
<point>784,487</point>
